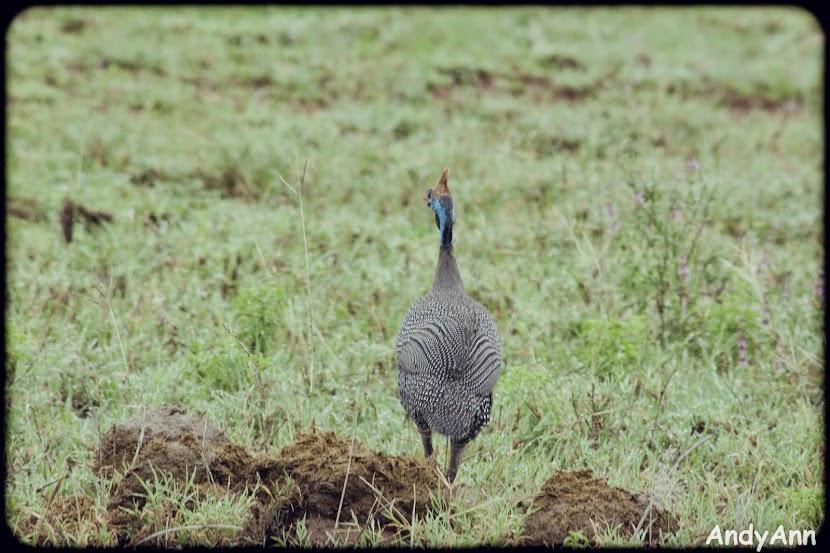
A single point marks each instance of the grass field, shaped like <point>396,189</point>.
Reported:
<point>638,203</point>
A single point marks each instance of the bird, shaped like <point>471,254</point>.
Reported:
<point>447,349</point>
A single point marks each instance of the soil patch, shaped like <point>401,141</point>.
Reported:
<point>578,502</point>
<point>380,487</point>
<point>322,489</point>
<point>131,66</point>
<point>538,87</point>
<point>164,441</point>
<point>301,486</point>
<point>560,61</point>
<point>73,26</point>
<point>740,103</point>
<point>25,208</point>
<point>146,177</point>
<point>70,211</point>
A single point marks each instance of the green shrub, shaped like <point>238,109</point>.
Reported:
<point>613,346</point>
<point>258,315</point>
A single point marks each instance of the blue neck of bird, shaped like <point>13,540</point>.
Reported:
<point>445,218</point>
<point>447,278</point>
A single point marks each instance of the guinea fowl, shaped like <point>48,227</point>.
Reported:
<point>447,349</point>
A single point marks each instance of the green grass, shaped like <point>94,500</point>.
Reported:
<point>552,121</point>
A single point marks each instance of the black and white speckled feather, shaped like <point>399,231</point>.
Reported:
<point>448,353</point>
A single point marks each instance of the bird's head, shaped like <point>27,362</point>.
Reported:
<point>439,200</point>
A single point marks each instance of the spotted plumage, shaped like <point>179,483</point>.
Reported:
<point>447,348</point>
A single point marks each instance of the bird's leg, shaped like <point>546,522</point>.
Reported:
<point>455,458</point>
<point>426,437</point>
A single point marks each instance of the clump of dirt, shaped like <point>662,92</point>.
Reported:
<point>561,61</point>
<point>336,490</point>
<point>170,439</point>
<point>166,440</point>
<point>380,487</point>
<point>146,177</point>
<point>155,221</point>
<point>539,87</point>
<point>74,26</point>
<point>70,211</point>
<point>303,482</point>
<point>25,208</point>
<point>578,502</point>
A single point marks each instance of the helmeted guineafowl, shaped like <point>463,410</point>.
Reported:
<point>447,348</point>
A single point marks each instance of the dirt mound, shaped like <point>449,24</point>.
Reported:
<point>304,482</point>
<point>71,211</point>
<point>297,492</point>
<point>380,487</point>
<point>164,441</point>
<point>169,439</point>
<point>578,502</point>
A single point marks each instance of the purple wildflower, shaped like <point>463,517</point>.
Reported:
<point>742,346</point>
<point>818,287</point>
<point>683,269</point>
<point>692,164</point>
<point>638,198</point>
